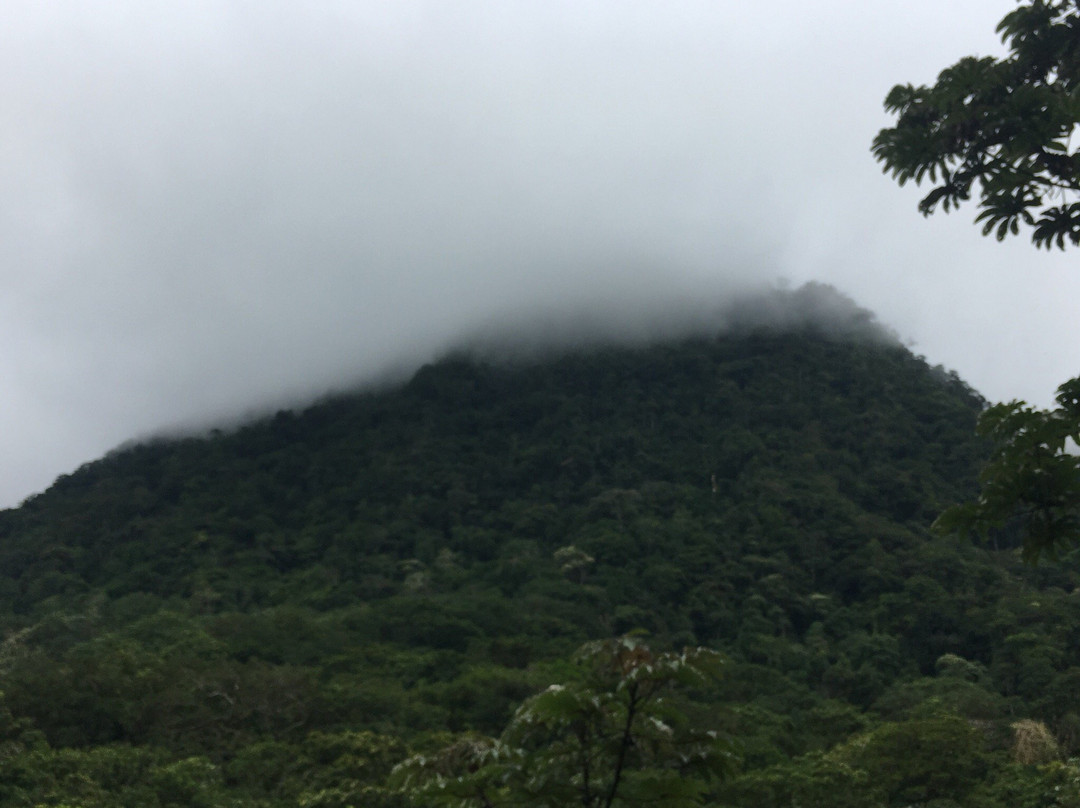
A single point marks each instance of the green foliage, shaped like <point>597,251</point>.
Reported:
<point>611,736</point>
<point>1001,128</point>
<point>1056,785</point>
<point>815,780</point>
<point>921,760</point>
<point>277,615</point>
<point>1032,478</point>
<point>937,761</point>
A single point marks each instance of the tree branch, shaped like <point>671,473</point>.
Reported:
<point>624,746</point>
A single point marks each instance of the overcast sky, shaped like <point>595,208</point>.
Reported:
<point>213,207</point>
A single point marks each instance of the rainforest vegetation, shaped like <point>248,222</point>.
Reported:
<point>707,563</point>
<point>1002,129</point>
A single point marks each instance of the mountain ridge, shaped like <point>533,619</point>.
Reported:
<point>525,336</point>
<point>415,561</point>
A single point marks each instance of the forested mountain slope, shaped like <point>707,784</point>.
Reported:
<point>278,613</point>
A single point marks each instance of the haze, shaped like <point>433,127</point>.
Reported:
<point>211,208</point>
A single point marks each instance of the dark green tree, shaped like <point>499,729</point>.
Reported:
<point>611,737</point>
<point>999,128</point>
<point>1033,476</point>
<point>1002,128</point>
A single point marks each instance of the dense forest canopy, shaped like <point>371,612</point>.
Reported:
<point>281,614</point>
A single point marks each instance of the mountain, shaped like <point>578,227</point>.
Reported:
<point>257,616</point>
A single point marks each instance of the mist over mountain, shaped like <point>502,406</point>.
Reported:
<point>232,211</point>
<point>647,310</point>
<point>638,308</point>
<point>280,612</point>
<point>365,362</point>
<point>645,314</point>
<point>639,320</point>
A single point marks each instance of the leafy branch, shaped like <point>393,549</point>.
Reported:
<point>999,129</point>
<point>608,738</point>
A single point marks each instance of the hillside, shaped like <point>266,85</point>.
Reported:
<point>268,615</point>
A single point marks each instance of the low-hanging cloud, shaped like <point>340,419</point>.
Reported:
<point>213,208</point>
<point>673,313</point>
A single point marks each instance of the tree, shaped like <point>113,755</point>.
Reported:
<point>1033,476</point>
<point>921,761</point>
<point>1001,128</point>
<point>611,737</point>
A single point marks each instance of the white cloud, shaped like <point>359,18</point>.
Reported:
<point>209,207</point>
